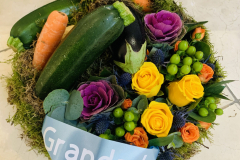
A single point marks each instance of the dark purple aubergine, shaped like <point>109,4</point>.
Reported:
<point>134,34</point>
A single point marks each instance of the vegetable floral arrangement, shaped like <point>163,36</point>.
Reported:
<point>144,75</point>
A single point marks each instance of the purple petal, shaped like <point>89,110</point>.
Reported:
<point>168,22</point>
<point>103,95</point>
<point>156,33</point>
<point>85,101</point>
<point>99,84</point>
<point>89,89</point>
<point>163,27</point>
<point>148,18</point>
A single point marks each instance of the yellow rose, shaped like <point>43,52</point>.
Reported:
<point>147,81</point>
<point>182,92</point>
<point>157,119</point>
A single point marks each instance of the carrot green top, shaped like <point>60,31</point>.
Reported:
<point>124,12</point>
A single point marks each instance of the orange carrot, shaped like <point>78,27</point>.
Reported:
<point>145,4</point>
<point>49,38</point>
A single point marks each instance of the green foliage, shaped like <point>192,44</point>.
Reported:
<point>204,47</point>
<point>192,26</point>
<point>74,106</point>
<point>211,117</point>
<point>163,141</point>
<point>194,104</point>
<point>141,103</point>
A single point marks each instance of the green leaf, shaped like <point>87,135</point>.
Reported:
<point>192,26</point>
<point>204,47</point>
<point>137,100</point>
<point>105,73</point>
<point>160,93</point>
<point>170,77</point>
<point>220,96</point>
<point>214,90</point>
<point>178,142</point>
<point>82,126</point>
<point>133,110</point>
<point>58,113</point>
<point>194,104</point>
<point>118,121</point>
<point>56,97</point>
<point>217,84</point>
<point>142,105</point>
<point>72,123</point>
<point>163,141</point>
<point>74,106</point>
<point>108,132</point>
<point>211,117</point>
<point>133,60</point>
<point>163,100</point>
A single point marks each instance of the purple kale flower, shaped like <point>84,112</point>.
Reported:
<point>163,26</point>
<point>97,97</point>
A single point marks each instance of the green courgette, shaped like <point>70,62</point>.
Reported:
<point>27,27</point>
<point>91,36</point>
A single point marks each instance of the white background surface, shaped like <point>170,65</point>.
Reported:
<point>224,23</point>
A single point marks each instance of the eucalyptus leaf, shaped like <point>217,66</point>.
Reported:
<point>178,142</point>
<point>56,97</point>
<point>163,141</point>
<point>75,106</point>
<point>58,113</point>
<point>142,105</point>
<point>210,118</point>
<point>136,101</point>
<point>72,123</point>
<point>133,110</point>
<point>194,104</point>
<point>204,47</point>
<point>192,26</point>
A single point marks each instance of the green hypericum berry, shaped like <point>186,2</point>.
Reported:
<point>197,66</point>
<point>172,69</point>
<point>105,136</point>
<point>119,131</point>
<point>129,126</point>
<point>203,112</point>
<point>198,35</point>
<point>129,116</point>
<point>175,59</point>
<point>219,111</point>
<point>199,55</point>
<point>191,51</point>
<point>183,45</point>
<point>185,69</point>
<point>210,99</point>
<point>118,112</point>
<point>212,106</point>
<point>187,61</point>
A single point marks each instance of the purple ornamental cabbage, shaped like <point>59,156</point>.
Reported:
<point>163,26</point>
<point>97,97</point>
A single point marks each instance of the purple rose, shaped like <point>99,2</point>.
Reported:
<point>163,26</point>
<point>97,97</point>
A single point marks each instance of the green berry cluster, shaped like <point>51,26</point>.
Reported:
<point>129,119</point>
<point>185,60</point>
<point>210,105</point>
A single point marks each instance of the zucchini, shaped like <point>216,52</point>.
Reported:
<point>27,27</point>
<point>90,37</point>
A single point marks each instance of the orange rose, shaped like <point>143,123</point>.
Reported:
<point>127,104</point>
<point>190,133</point>
<point>139,138</point>
<point>176,46</point>
<point>206,73</point>
<point>200,31</point>
<point>205,124</point>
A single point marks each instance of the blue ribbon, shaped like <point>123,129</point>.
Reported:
<point>65,142</point>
